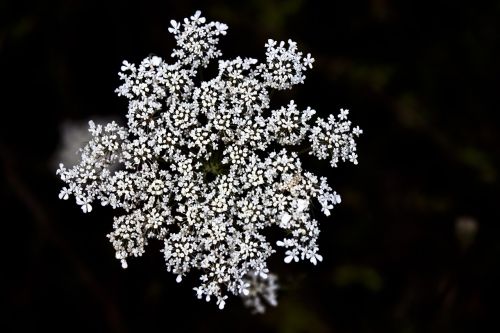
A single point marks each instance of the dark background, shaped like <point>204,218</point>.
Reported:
<point>415,244</point>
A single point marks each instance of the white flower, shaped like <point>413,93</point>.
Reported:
<point>260,291</point>
<point>315,257</point>
<point>285,218</point>
<point>155,61</point>
<point>301,205</point>
<point>207,167</point>
<point>291,255</point>
<point>86,208</point>
<point>174,29</point>
<point>221,301</point>
<point>126,66</point>
<point>221,28</point>
<point>343,114</point>
<point>197,17</point>
<point>64,194</point>
<point>357,131</point>
<point>285,243</point>
<point>84,204</point>
<point>308,61</point>
<point>199,292</point>
<point>270,43</point>
<point>336,198</point>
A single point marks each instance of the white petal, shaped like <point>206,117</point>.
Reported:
<point>286,218</point>
<point>179,278</point>
<point>156,61</point>
<point>288,259</point>
<point>63,195</point>
<point>87,208</point>
<point>301,205</point>
<point>338,199</point>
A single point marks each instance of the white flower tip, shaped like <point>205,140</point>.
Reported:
<point>222,304</point>
<point>288,259</point>
<point>179,278</point>
<point>124,264</point>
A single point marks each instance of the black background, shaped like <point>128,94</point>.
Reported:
<point>421,79</point>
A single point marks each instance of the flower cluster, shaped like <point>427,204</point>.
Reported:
<point>206,167</point>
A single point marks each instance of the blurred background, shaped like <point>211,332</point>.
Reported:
<point>415,244</point>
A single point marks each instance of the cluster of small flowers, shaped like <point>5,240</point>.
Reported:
<point>198,165</point>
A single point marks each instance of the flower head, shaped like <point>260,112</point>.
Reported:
<point>197,165</point>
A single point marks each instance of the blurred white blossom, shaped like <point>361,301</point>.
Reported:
<point>73,135</point>
<point>206,168</point>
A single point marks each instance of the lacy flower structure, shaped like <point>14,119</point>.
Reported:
<point>206,166</point>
